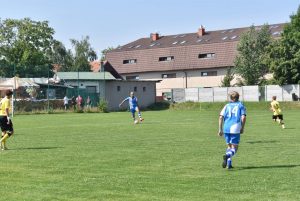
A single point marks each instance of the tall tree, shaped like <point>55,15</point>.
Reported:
<point>284,54</point>
<point>83,54</point>
<point>61,57</point>
<point>226,81</point>
<point>250,62</point>
<point>24,45</point>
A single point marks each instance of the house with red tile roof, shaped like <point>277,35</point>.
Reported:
<point>186,60</point>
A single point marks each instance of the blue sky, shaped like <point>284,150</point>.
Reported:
<point>117,22</point>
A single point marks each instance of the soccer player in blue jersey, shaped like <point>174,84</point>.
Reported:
<point>133,105</point>
<point>231,123</point>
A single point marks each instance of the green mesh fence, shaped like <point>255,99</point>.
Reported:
<point>94,97</point>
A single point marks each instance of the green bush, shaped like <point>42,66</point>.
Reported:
<point>164,105</point>
<point>103,106</point>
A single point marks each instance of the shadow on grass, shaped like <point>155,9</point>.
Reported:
<point>36,148</point>
<point>290,128</point>
<point>262,141</point>
<point>267,167</point>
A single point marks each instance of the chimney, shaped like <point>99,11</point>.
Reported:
<point>201,31</point>
<point>154,36</point>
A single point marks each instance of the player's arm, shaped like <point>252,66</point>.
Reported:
<point>123,101</point>
<point>7,105</point>
<point>243,119</point>
<point>221,120</point>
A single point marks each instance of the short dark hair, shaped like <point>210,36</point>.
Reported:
<point>234,96</point>
<point>8,93</point>
<point>274,97</point>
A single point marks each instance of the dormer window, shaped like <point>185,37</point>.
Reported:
<point>129,61</point>
<point>206,56</point>
<point>169,58</point>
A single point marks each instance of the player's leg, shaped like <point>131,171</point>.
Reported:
<point>9,131</point>
<point>139,113</point>
<point>280,117</point>
<point>231,153</point>
<point>233,142</point>
<point>274,117</point>
<point>133,114</point>
<point>225,156</point>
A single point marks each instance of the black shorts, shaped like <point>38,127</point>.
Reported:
<point>4,124</point>
<point>278,117</point>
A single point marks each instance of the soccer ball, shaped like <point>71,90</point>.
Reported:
<point>136,121</point>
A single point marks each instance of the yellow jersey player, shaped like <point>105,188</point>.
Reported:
<point>5,121</point>
<point>277,113</point>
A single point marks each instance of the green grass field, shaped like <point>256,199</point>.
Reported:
<point>173,155</point>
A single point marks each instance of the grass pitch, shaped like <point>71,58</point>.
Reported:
<point>173,155</point>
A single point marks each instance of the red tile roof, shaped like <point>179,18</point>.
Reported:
<point>184,47</point>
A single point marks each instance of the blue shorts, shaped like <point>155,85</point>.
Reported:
<point>133,110</point>
<point>232,138</point>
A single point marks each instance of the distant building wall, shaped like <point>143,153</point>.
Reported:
<point>116,91</point>
<point>183,79</point>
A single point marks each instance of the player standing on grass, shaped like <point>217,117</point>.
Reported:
<point>133,105</point>
<point>277,114</point>
<point>231,123</point>
<point>5,121</point>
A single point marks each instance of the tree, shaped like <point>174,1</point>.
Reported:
<point>24,45</point>
<point>250,62</point>
<point>83,55</point>
<point>61,57</point>
<point>284,54</point>
<point>227,78</point>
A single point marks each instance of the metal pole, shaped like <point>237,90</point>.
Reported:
<point>77,82</point>
<point>14,91</point>
<point>48,90</point>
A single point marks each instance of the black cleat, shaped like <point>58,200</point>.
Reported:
<point>224,163</point>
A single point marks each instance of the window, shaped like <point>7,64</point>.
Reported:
<point>135,89</point>
<point>209,73</point>
<point>91,89</point>
<point>233,37</point>
<point>169,58</point>
<point>170,75</point>
<point>183,42</point>
<point>153,44</point>
<point>224,38</point>
<point>132,77</point>
<point>118,88</point>
<point>144,89</point>
<point>137,46</point>
<point>174,43</point>
<point>206,56</point>
<point>199,40</point>
<point>129,61</point>
<point>182,36</point>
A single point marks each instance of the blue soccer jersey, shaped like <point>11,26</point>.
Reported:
<point>232,113</point>
<point>133,102</point>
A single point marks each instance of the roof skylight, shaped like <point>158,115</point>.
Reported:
<point>174,43</point>
<point>224,38</point>
<point>233,37</point>
<point>183,42</point>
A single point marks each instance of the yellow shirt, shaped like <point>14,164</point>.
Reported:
<point>4,103</point>
<point>275,107</point>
